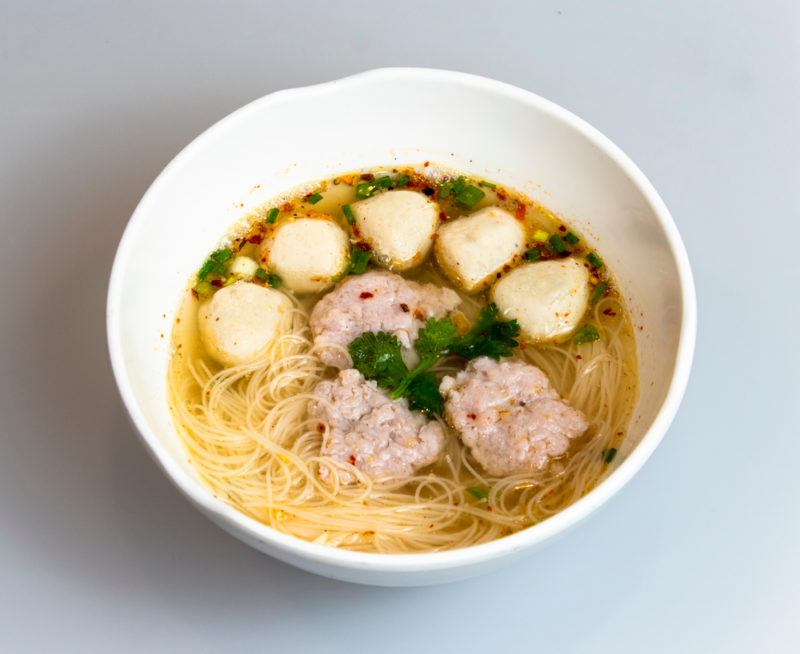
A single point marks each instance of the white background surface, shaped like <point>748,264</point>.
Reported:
<point>700,553</point>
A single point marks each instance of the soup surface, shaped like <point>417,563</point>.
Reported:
<point>492,392</point>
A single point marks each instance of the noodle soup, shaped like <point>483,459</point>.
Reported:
<point>265,430</point>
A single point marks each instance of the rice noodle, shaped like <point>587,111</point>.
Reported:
<point>249,439</point>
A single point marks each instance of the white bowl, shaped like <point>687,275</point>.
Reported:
<point>386,116</point>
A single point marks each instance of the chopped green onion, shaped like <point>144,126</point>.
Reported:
<point>204,288</point>
<point>262,274</point>
<point>358,261</point>
<point>540,236</point>
<point>594,260</point>
<point>598,292</point>
<point>364,190</point>
<point>273,280</point>
<point>486,184</point>
<point>401,180</point>
<point>215,264</point>
<point>368,189</point>
<point>348,214</point>
<point>459,185</point>
<point>586,334</point>
<point>571,238</point>
<point>272,215</point>
<point>609,454</point>
<point>557,244</point>
<point>469,195</point>
<point>445,188</point>
<point>221,256</point>
<point>478,493</point>
<point>534,254</point>
<point>314,198</point>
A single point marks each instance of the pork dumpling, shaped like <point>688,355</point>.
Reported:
<point>309,253</point>
<point>240,321</point>
<point>399,225</point>
<point>473,249</point>
<point>547,298</point>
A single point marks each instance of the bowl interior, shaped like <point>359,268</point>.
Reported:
<point>396,116</point>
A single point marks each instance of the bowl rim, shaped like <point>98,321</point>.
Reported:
<point>238,523</point>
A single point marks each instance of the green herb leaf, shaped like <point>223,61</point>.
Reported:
<point>348,214</point>
<point>401,180</point>
<point>609,454</point>
<point>432,344</point>
<point>204,288</point>
<point>369,188</point>
<point>598,292</point>
<point>534,254</point>
<point>274,280</point>
<point>586,334</point>
<point>488,337</point>
<point>262,274</point>
<point>479,493</point>
<point>557,244</point>
<point>571,238</point>
<point>594,260</point>
<point>314,198</point>
<point>377,356</point>
<point>272,216</point>
<point>423,394</point>
<point>359,259</point>
<point>444,189</point>
<point>435,338</point>
<point>221,256</point>
<point>215,264</point>
<point>468,196</point>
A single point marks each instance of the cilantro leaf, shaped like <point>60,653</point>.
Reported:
<point>423,394</point>
<point>435,338</point>
<point>488,337</point>
<point>377,356</point>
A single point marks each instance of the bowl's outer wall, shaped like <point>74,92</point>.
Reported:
<point>385,117</point>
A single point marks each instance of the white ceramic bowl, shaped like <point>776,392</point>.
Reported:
<point>387,116</point>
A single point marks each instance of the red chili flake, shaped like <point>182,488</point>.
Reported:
<point>366,295</point>
<point>609,312</point>
<point>356,231</point>
<point>426,164</point>
<point>404,307</point>
<point>418,314</point>
<point>352,459</point>
<point>320,428</point>
<point>364,247</point>
<point>195,294</point>
<point>430,526</point>
<point>488,508</point>
<point>578,356</point>
<point>519,213</point>
<point>561,228</point>
<point>367,176</point>
<point>506,268</point>
<point>255,238</point>
<point>472,416</point>
<point>442,216</point>
<point>501,195</point>
<point>287,206</point>
<point>216,283</point>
